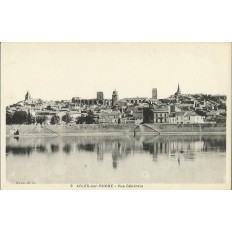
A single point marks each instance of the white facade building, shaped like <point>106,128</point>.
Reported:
<point>186,117</point>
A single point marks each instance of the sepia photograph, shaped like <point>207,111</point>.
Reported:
<point>116,116</point>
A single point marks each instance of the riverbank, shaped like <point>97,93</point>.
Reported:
<point>193,128</point>
<point>113,129</point>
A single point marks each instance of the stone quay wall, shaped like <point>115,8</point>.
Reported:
<point>111,128</point>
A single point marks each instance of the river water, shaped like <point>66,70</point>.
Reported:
<point>117,159</point>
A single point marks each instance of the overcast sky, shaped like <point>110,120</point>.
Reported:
<point>55,71</point>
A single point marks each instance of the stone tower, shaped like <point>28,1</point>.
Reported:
<point>178,90</point>
<point>178,93</point>
<point>154,93</point>
<point>27,96</point>
<point>100,96</point>
<point>114,97</point>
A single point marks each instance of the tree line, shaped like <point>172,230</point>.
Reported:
<point>22,117</point>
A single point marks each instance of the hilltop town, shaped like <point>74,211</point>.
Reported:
<point>176,109</point>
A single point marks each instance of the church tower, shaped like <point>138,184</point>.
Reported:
<point>178,90</point>
<point>27,96</point>
<point>114,97</point>
<point>178,93</point>
<point>154,93</point>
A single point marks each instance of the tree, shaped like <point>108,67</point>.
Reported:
<point>89,119</point>
<point>66,118</point>
<point>19,117</point>
<point>55,119</point>
<point>8,118</point>
<point>41,119</point>
<point>80,120</point>
<point>220,119</point>
<point>30,119</point>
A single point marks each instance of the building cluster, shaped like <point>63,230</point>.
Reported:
<point>177,109</point>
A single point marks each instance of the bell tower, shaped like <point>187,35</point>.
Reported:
<point>154,93</point>
<point>114,97</point>
<point>178,93</point>
<point>27,96</point>
<point>178,90</point>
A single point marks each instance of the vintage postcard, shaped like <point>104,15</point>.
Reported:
<point>115,116</point>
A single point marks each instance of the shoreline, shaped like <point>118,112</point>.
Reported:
<point>113,129</point>
<point>113,134</point>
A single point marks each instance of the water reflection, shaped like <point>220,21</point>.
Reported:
<point>41,148</point>
<point>55,148</point>
<point>142,152</point>
<point>100,152</point>
<point>67,148</point>
<point>178,160</point>
<point>117,153</point>
<point>86,147</point>
<point>122,146</point>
